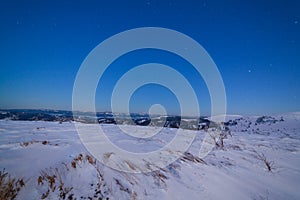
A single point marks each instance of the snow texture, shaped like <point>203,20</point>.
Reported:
<point>260,161</point>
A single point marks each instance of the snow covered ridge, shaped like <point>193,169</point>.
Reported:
<point>191,123</point>
<point>48,161</point>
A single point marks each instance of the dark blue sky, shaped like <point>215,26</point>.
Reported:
<point>255,45</point>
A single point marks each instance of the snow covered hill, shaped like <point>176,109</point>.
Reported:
<point>260,161</point>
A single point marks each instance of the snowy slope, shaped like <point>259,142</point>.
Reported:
<point>54,164</point>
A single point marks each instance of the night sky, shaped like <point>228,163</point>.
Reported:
<point>255,45</point>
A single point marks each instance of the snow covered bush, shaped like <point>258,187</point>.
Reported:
<point>218,133</point>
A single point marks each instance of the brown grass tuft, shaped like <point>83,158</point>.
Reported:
<point>73,163</point>
<point>90,159</point>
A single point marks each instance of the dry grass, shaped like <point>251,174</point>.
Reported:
<point>53,178</point>
<point>269,164</point>
<point>190,157</point>
<point>122,187</point>
<point>51,182</point>
<point>27,143</point>
<point>9,187</point>
<point>90,159</point>
<point>73,163</point>
<point>130,165</point>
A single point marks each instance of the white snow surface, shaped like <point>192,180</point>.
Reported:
<point>33,150</point>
